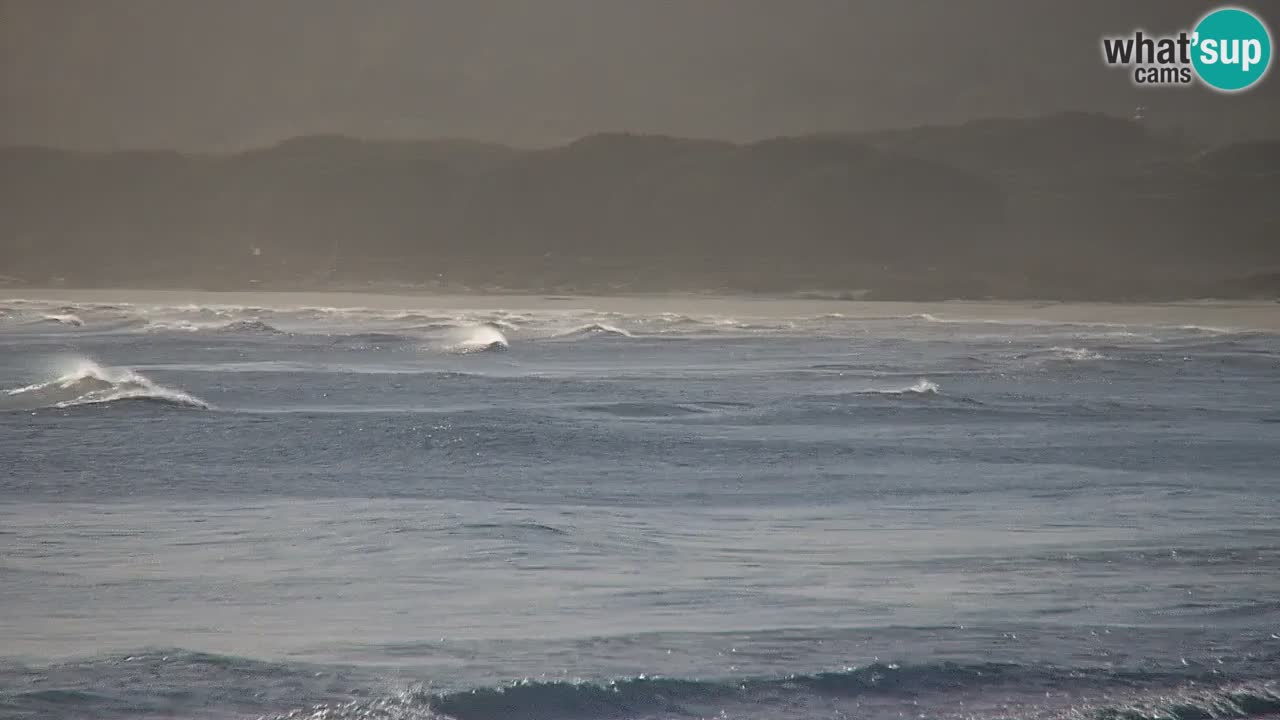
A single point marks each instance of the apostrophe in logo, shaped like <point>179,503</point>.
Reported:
<point>1229,50</point>
<point>1232,49</point>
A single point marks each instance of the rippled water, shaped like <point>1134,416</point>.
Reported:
<point>216,506</point>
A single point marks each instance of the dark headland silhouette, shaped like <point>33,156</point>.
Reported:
<point>1067,206</point>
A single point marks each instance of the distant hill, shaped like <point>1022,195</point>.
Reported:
<point>1073,206</point>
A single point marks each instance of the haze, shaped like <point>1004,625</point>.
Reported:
<point>635,359</point>
<point>189,74</point>
<point>914,150</point>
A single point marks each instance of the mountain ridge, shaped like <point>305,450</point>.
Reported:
<point>1065,206</point>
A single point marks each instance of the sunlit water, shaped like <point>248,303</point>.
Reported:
<point>360,507</point>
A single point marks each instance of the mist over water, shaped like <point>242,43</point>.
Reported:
<point>333,506</point>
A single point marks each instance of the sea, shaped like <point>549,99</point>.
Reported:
<point>339,506</point>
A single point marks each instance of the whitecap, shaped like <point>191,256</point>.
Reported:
<point>84,382</point>
<point>594,329</point>
<point>477,338</point>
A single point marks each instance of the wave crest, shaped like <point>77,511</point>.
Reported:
<point>68,319</point>
<point>679,697</point>
<point>477,338</point>
<point>594,329</point>
<point>923,386</point>
<point>1075,354</point>
<point>88,383</point>
<point>250,326</point>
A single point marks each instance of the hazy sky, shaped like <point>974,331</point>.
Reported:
<point>233,73</point>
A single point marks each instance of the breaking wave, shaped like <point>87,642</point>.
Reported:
<point>1075,354</point>
<point>68,319</point>
<point>477,338</point>
<point>645,697</point>
<point>173,326</point>
<point>584,322</point>
<point>252,326</point>
<point>594,329</point>
<point>503,325</point>
<point>923,386</point>
<point>247,327</point>
<point>88,383</point>
<point>172,682</point>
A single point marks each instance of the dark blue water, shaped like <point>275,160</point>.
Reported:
<point>609,508</point>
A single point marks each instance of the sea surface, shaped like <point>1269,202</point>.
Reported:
<point>357,506</point>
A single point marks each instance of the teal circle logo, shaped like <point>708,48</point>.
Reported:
<point>1231,49</point>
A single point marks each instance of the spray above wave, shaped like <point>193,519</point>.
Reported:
<point>474,339</point>
<point>85,382</point>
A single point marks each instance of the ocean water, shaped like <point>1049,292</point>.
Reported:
<point>343,506</point>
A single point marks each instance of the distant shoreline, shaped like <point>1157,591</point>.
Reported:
<point>1069,207</point>
<point>1223,315</point>
<point>811,294</point>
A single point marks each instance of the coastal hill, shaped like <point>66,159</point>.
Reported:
<point>1070,206</point>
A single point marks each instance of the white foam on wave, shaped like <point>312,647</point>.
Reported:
<point>599,329</point>
<point>1208,329</point>
<point>1076,354</point>
<point>923,386</point>
<point>213,311</point>
<point>506,325</point>
<point>173,326</point>
<point>476,338</point>
<point>69,319</point>
<point>249,326</point>
<point>84,382</point>
<point>234,327</point>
